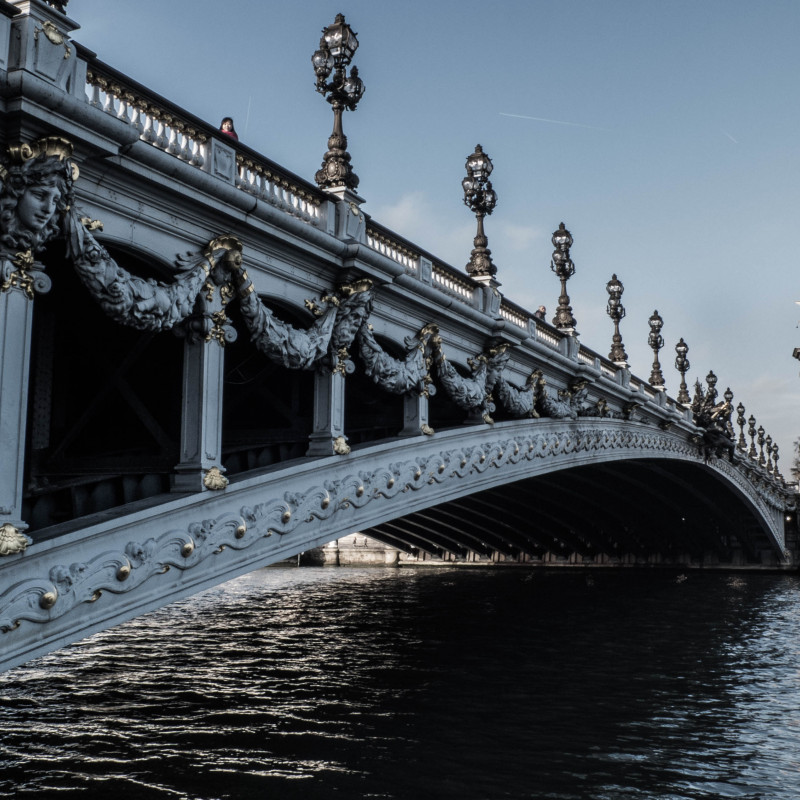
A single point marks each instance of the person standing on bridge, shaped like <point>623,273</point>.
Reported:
<point>226,126</point>
<point>540,313</point>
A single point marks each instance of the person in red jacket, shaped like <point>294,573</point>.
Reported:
<point>226,126</point>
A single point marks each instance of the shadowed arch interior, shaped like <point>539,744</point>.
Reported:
<point>638,511</point>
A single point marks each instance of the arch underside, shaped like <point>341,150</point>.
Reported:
<point>640,511</point>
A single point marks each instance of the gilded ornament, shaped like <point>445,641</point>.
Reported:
<point>286,516</point>
<point>427,430</point>
<point>21,278</point>
<point>214,479</point>
<point>340,446</point>
<point>53,35</point>
<point>47,600</point>
<point>241,531</point>
<point>12,540</point>
<point>187,549</point>
<point>91,224</point>
<point>360,491</point>
<point>326,501</point>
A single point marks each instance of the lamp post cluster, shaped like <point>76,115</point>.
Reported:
<point>336,49</point>
<point>343,91</point>
<point>481,199</point>
<point>762,449</point>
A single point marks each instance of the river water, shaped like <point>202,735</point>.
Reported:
<point>424,683</point>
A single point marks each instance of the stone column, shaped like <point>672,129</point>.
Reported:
<point>200,467</point>
<point>328,437</point>
<point>20,279</point>
<point>201,418</point>
<point>415,415</point>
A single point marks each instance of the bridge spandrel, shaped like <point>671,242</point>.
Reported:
<point>327,375</point>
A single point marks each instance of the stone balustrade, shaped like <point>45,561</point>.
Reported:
<point>173,130</point>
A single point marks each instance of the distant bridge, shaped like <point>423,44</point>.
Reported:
<point>327,376</point>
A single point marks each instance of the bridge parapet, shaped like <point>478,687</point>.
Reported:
<point>172,129</point>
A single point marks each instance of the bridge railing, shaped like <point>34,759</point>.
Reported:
<point>173,130</point>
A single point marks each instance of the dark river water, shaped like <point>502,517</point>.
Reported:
<point>441,683</point>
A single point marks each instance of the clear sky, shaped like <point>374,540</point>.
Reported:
<point>665,135</point>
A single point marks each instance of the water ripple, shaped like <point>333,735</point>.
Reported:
<point>399,684</point>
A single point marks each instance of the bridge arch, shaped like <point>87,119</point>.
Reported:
<point>451,491</point>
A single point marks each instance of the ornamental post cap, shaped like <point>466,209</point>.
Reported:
<point>479,164</point>
<point>341,39</point>
<point>562,237</point>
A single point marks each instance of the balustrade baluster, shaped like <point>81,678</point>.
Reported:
<point>186,152</point>
<point>173,147</point>
<point>122,113</point>
<point>148,133</point>
<point>136,118</point>
<point>241,177</point>
<point>108,105</point>
<point>198,154</point>
<point>161,134</point>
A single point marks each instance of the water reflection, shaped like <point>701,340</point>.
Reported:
<point>411,684</point>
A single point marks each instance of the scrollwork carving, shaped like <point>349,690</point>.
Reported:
<point>141,303</point>
<point>339,316</point>
<point>517,401</point>
<point>559,407</point>
<point>468,393</point>
<point>394,375</point>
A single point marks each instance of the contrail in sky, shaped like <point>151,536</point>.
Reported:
<point>725,133</point>
<point>553,121</point>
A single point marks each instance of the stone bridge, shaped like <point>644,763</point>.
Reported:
<point>209,364</point>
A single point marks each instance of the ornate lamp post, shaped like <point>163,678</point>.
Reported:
<point>481,199</point>
<point>682,365</point>
<point>656,342</point>
<point>741,444</point>
<point>760,440</point>
<point>751,432</point>
<point>711,394</point>
<point>563,267</point>
<point>616,311</point>
<point>336,49</point>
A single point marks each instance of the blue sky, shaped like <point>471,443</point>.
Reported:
<point>678,171</point>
